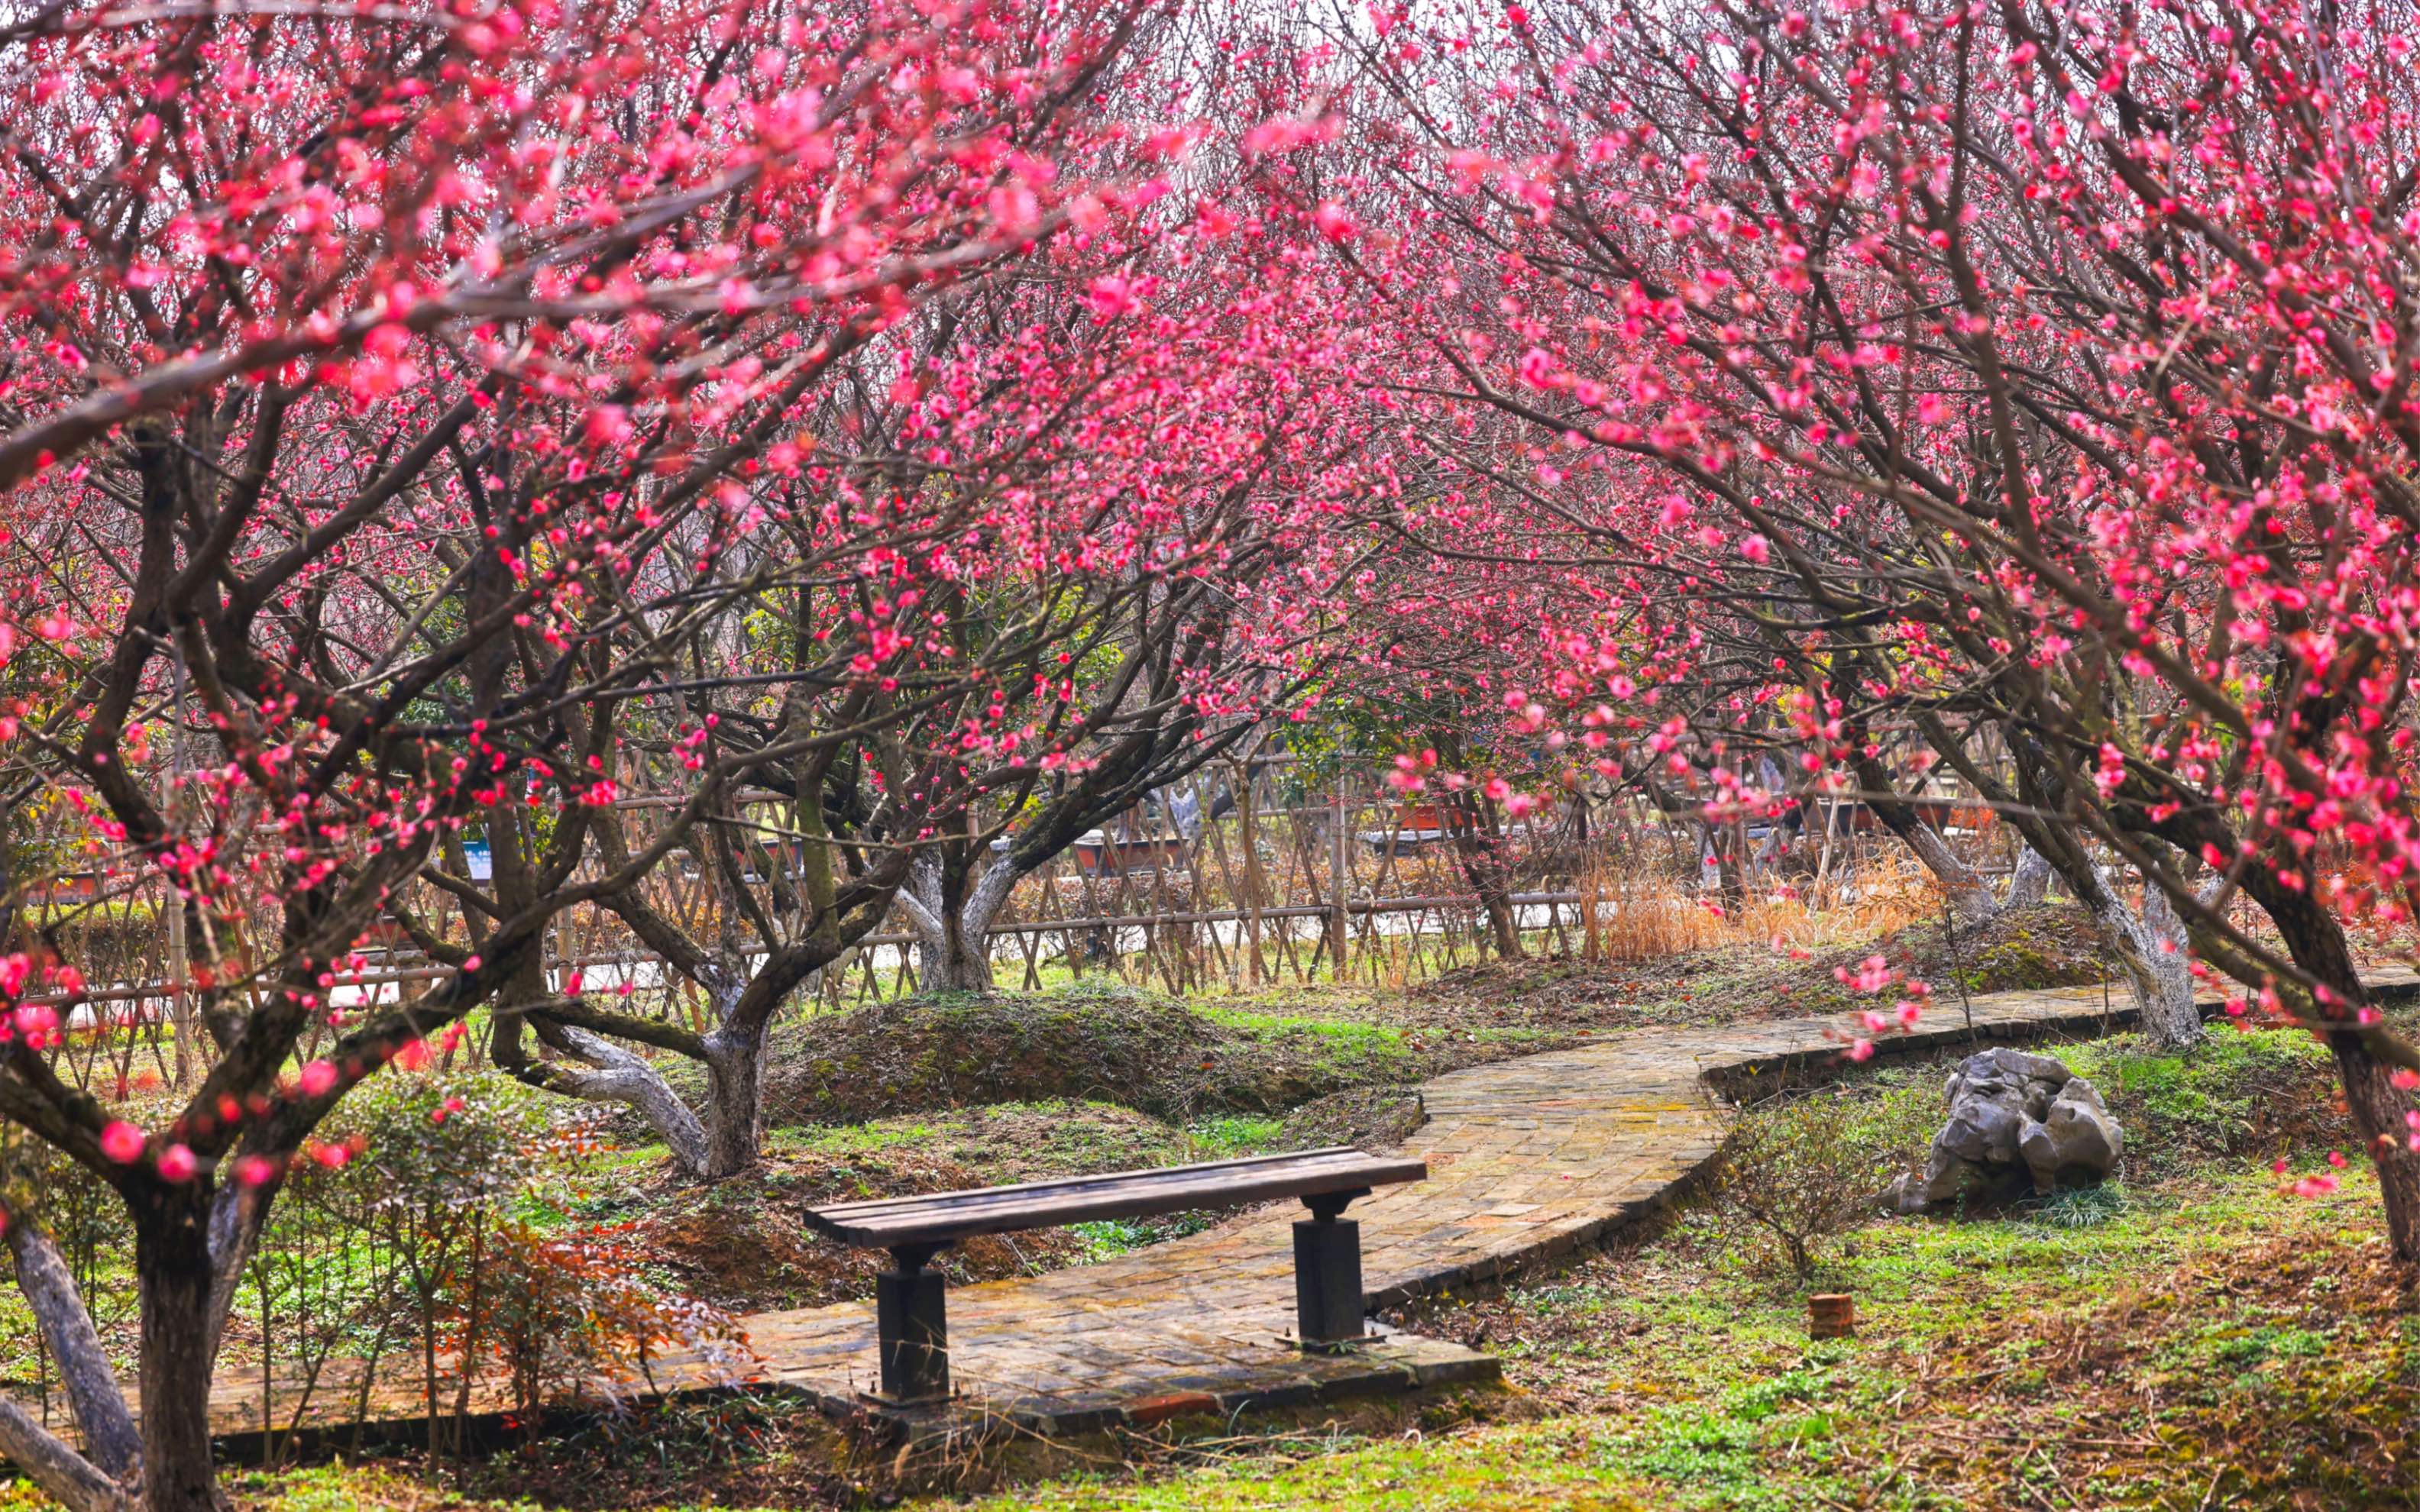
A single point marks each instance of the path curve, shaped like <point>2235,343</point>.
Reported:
<point>1530,1159</point>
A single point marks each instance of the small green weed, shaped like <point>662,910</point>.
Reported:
<point>2081,1207</point>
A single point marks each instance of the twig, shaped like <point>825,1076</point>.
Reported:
<point>1958,972</point>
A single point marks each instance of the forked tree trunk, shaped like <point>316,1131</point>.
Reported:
<point>723,1139</point>
<point>954,963</point>
<point>953,922</point>
<point>2151,947</point>
<point>735,1120</point>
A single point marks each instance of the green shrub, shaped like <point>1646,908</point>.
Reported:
<point>1801,1172</point>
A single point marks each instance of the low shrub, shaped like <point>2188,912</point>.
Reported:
<point>1802,1171</point>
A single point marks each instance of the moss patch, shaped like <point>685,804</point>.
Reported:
<point>1175,1061</point>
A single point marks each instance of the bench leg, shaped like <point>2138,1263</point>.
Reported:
<point>1327,1273</point>
<point>912,1324</point>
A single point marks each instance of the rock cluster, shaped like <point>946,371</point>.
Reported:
<point>2016,1121</point>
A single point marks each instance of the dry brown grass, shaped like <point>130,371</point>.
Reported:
<point>1633,917</point>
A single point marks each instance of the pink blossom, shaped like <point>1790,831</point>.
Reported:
<point>1112,295</point>
<point>123,1143</point>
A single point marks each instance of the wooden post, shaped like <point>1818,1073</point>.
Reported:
<point>1251,900</point>
<point>1340,877</point>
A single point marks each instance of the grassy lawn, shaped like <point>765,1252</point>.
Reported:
<point>2222,1345</point>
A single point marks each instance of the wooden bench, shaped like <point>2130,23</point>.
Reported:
<point>909,1314</point>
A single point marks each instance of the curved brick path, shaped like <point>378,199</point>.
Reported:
<point>1528,1159</point>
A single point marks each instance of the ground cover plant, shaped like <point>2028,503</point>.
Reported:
<point>2195,1335</point>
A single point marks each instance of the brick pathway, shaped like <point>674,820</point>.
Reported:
<point>1528,1159</point>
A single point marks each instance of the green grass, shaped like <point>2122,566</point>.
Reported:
<point>1223,1138</point>
<point>348,1489</point>
<point>1695,1385</point>
<point>1108,1237</point>
<point>1516,1467</point>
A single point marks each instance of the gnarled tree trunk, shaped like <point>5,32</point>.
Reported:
<point>953,920</point>
<point>2151,947</point>
<point>735,1121</point>
<point>2029,884</point>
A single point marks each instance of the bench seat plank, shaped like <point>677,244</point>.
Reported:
<point>945,1217</point>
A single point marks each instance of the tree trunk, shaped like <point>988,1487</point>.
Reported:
<point>2316,942</point>
<point>735,1120</point>
<point>43,1458</point>
<point>172,1261</point>
<point>1479,847</point>
<point>2029,884</point>
<point>953,925</point>
<point>110,1440</point>
<point>2378,1108</point>
<point>2151,947</point>
<point>1968,898</point>
<point>954,963</point>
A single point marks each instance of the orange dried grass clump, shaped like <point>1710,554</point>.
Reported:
<point>1632,915</point>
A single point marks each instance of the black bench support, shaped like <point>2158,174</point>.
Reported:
<point>1327,1273</point>
<point>911,1323</point>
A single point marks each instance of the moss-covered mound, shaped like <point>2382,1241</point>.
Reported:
<point>1108,1044</point>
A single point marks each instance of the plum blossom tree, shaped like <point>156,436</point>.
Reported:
<point>1050,545</point>
<point>2036,381</point>
<point>389,371</point>
<point>1220,513</point>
